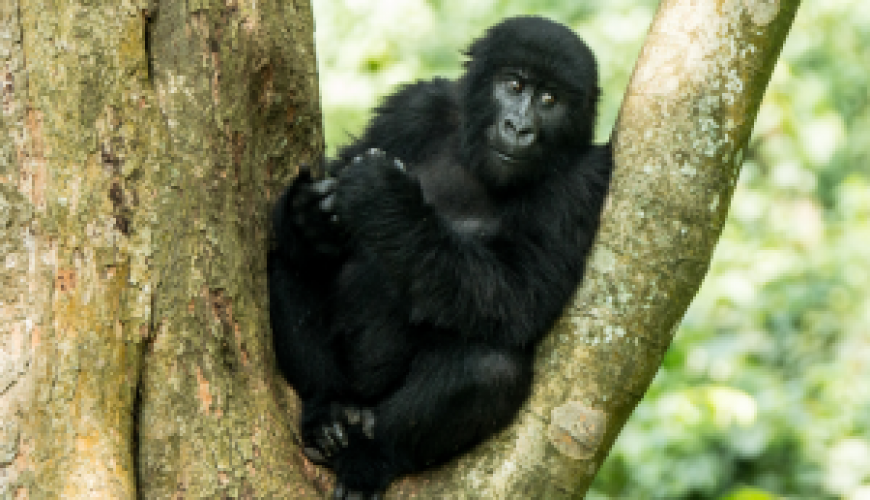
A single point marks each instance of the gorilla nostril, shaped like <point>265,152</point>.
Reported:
<point>526,138</point>
<point>517,135</point>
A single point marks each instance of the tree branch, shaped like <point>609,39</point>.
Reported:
<point>679,142</point>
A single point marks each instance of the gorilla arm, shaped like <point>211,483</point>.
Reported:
<point>409,124</point>
<point>508,287</point>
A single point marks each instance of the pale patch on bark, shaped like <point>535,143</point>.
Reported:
<point>203,393</point>
<point>577,430</point>
<point>762,11</point>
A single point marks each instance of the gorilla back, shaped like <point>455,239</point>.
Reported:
<point>409,288</point>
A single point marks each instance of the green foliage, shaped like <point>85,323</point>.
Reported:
<point>765,392</point>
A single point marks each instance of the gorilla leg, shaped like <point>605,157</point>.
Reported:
<point>303,348</point>
<point>452,399</point>
<point>305,351</point>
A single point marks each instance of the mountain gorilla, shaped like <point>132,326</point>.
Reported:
<point>409,289</point>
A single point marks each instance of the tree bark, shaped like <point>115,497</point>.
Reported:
<point>141,144</point>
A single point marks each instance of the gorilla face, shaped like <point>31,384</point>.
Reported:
<point>528,114</point>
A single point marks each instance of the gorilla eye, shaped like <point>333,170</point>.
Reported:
<point>548,99</point>
<point>516,86</point>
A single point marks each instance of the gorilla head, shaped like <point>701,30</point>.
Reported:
<point>528,96</point>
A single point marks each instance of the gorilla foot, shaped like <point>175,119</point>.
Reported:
<point>341,492</point>
<point>345,423</point>
<point>327,441</point>
<point>363,419</point>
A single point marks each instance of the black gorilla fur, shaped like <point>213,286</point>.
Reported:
<point>407,296</point>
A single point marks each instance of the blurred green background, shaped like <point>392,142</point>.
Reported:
<point>765,392</point>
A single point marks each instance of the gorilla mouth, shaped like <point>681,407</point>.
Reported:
<point>507,158</point>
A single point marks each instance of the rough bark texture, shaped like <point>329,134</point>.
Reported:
<point>140,145</point>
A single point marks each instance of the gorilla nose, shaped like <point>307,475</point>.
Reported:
<point>517,134</point>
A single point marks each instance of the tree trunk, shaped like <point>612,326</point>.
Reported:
<point>141,144</point>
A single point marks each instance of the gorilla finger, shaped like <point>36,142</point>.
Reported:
<point>338,492</point>
<point>333,438</point>
<point>399,165</point>
<point>368,423</point>
<point>328,441</point>
<point>324,187</point>
<point>342,492</point>
<point>338,433</point>
<point>314,455</point>
<point>352,415</point>
<point>328,204</point>
<point>326,445</point>
<point>376,152</point>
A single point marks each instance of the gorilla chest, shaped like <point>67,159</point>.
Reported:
<point>460,199</point>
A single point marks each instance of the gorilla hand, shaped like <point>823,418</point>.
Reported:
<point>312,203</point>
